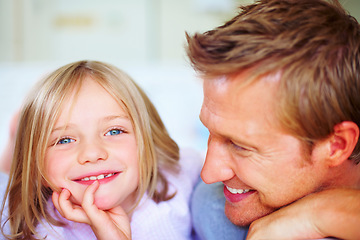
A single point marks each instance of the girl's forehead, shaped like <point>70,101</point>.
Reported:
<point>91,96</point>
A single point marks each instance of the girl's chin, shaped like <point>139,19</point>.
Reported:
<point>104,203</point>
<point>101,202</point>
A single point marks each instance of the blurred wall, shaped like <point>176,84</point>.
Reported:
<point>143,37</point>
<point>108,30</point>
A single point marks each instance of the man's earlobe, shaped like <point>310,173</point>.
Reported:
<point>343,142</point>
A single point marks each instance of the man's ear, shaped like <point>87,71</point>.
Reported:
<point>342,142</point>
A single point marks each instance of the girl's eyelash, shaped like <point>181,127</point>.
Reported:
<point>121,130</point>
<point>58,140</point>
<point>63,138</point>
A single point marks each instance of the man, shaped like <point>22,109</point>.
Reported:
<point>282,106</point>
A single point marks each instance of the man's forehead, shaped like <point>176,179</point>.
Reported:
<point>227,103</point>
<point>240,79</point>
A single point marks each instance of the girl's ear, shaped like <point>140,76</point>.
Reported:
<point>342,142</point>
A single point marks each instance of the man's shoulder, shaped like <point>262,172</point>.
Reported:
<point>208,216</point>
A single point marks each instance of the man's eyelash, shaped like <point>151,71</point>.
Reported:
<point>237,147</point>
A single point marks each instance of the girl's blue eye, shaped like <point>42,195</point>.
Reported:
<point>114,132</point>
<point>65,141</point>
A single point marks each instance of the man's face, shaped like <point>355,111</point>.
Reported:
<point>262,167</point>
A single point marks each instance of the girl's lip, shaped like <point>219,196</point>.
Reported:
<point>94,174</point>
<point>101,178</point>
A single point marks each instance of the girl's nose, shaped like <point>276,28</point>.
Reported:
<point>92,152</point>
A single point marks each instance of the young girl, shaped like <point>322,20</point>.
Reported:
<point>93,160</point>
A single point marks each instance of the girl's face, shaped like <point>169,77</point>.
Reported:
<point>94,139</point>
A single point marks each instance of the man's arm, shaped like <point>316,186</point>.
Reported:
<point>330,213</point>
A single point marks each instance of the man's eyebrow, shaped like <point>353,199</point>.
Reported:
<point>200,119</point>
<point>233,138</point>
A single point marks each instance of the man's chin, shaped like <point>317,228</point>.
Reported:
<point>243,217</point>
<point>239,221</point>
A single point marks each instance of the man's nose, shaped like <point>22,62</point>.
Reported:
<point>217,166</point>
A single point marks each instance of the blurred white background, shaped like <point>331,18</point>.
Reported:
<point>145,38</point>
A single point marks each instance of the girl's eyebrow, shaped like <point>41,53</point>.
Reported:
<point>112,117</point>
<point>105,119</point>
<point>62,128</point>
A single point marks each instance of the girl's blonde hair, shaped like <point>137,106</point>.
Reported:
<point>28,189</point>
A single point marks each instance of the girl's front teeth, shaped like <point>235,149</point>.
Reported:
<point>101,176</point>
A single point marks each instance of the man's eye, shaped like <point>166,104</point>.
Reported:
<point>114,132</point>
<point>237,147</point>
<point>65,141</point>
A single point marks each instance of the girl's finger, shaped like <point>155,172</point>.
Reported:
<point>55,200</point>
<point>88,203</point>
<point>69,210</point>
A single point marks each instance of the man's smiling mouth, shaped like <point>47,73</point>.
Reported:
<point>237,191</point>
<point>234,195</point>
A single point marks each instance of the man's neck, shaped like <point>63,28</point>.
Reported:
<point>346,175</point>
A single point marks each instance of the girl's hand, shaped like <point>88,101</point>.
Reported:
<point>110,224</point>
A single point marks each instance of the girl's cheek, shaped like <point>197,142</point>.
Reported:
<point>49,184</point>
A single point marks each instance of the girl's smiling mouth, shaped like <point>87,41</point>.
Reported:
<point>102,178</point>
